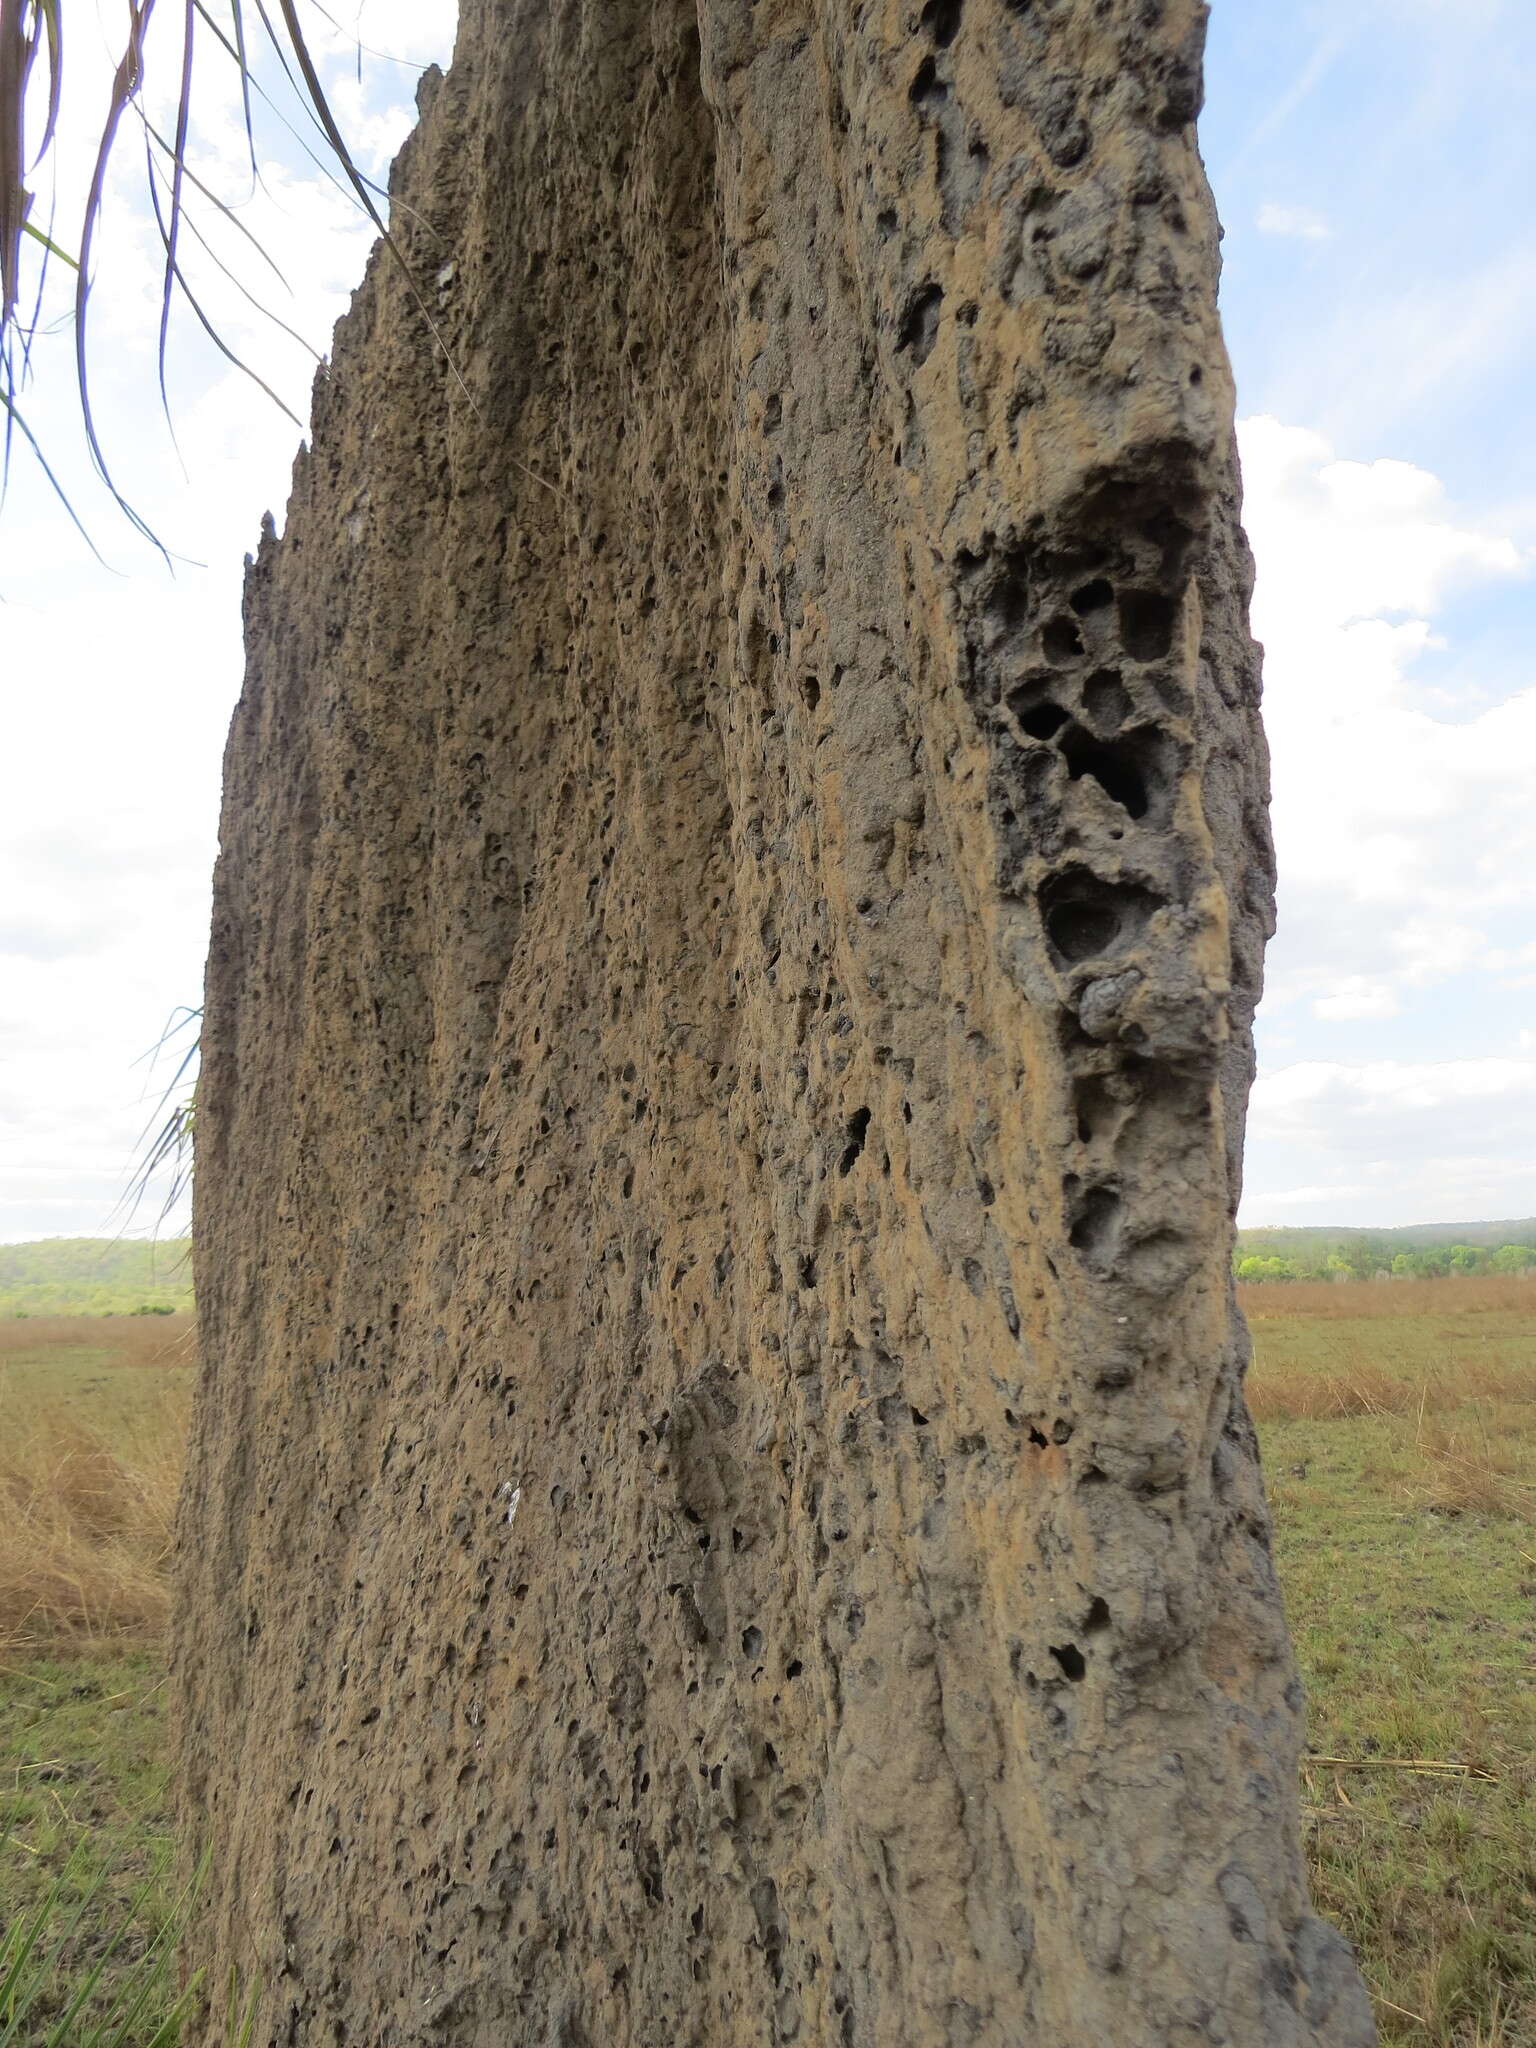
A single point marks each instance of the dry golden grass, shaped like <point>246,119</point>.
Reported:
<point>113,1340</point>
<point>1440,1373</point>
<point>85,1529</point>
<point>1472,1467</point>
<point>86,1506</point>
<point>1301,1396</point>
<point>1477,1295</point>
<point>1492,1381</point>
<point>1301,1393</point>
<point>1459,1436</point>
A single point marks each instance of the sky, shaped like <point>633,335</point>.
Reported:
<point>1373,162</point>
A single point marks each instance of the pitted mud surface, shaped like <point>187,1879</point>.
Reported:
<point>722,1510</point>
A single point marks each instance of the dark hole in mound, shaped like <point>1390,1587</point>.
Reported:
<point>919,328</point>
<point>1096,1223</point>
<point>1071,1660</point>
<point>927,87</point>
<point>1008,601</point>
<point>858,1125</point>
<point>1119,767</point>
<point>1106,700</point>
<point>1086,916</point>
<point>1079,930</point>
<point>1096,596</point>
<point>1146,624</point>
<point>1041,720</point>
<point>1093,1105</point>
<point>941,18</point>
<point>1098,1618</point>
<point>1061,640</point>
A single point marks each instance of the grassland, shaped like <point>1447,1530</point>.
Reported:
<point>92,1419</point>
<point>1398,1421</point>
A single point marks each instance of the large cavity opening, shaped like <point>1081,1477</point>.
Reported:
<point>1086,916</point>
<point>1061,640</point>
<point>1122,768</point>
<point>1146,624</point>
<point>1096,596</point>
<point>1040,721</point>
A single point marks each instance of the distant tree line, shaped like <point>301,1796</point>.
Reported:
<point>1370,1258</point>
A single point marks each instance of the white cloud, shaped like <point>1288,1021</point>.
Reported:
<point>408,33</point>
<point>1425,1141</point>
<point>1357,999</point>
<point>1406,841</point>
<point>1295,223</point>
<point>1354,540</point>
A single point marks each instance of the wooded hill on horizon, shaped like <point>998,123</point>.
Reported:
<point>95,1276</point>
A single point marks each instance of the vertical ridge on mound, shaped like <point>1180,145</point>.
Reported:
<point>721,1508</point>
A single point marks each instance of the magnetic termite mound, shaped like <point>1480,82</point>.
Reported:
<point>721,1507</point>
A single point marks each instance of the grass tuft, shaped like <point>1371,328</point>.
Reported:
<point>1328,1397</point>
<point>88,1478</point>
<point>1471,1471</point>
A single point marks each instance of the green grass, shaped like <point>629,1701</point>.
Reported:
<point>93,1898</point>
<point>1399,1436</point>
<point>84,1810</point>
<point>89,1387</point>
<point>1407,1549</point>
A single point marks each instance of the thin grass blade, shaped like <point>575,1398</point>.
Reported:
<point>204,322</point>
<point>178,179</point>
<point>125,84</point>
<point>13,419</point>
<point>36,234</point>
<point>245,81</point>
